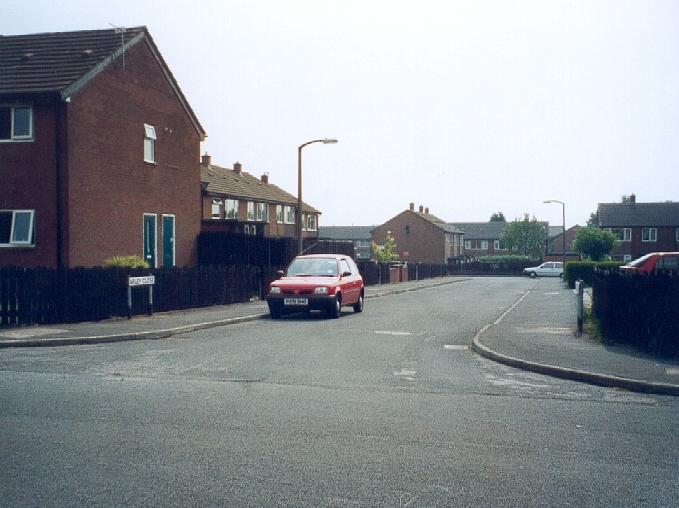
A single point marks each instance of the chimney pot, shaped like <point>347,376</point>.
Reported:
<point>206,160</point>
<point>412,207</point>
<point>426,210</point>
<point>237,167</point>
<point>632,198</point>
<point>265,178</point>
<point>421,209</point>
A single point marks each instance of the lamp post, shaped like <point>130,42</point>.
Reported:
<point>326,141</point>
<point>563,212</point>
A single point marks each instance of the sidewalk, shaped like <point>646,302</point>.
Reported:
<point>166,324</point>
<point>538,334</point>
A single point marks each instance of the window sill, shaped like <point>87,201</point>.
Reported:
<point>27,140</point>
<point>15,246</point>
<point>151,162</point>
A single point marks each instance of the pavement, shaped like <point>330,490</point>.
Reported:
<point>537,334</point>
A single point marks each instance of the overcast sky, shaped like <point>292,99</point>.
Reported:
<point>465,107</point>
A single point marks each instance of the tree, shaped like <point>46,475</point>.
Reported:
<point>593,221</point>
<point>497,217</point>
<point>387,252</point>
<point>594,243</point>
<point>625,199</point>
<point>526,236</point>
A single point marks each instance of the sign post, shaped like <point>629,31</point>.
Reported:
<point>149,281</point>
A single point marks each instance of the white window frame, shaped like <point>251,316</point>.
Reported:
<point>304,222</point>
<point>311,222</point>
<point>262,212</point>
<point>174,237</point>
<point>150,141</point>
<point>484,244</point>
<point>279,214</point>
<point>652,235</point>
<point>289,214</point>
<point>231,209</point>
<point>627,258</point>
<point>468,244</point>
<point>626,233</point>
<point>155,238</point>
<point>12,137</point>
<point>216,202</point>
<point>31,226</point>
<point>250,211</point>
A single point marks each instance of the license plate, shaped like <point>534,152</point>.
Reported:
<point>295,301</point>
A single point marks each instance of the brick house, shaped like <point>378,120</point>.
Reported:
<point>555,245</point>
<point>236,202</point>
<point>482,238</point>
<point>99,152</point>
<point>360,235</point>
<point>640,227</point>
<point>421,237</point>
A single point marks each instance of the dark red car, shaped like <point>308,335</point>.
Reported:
<point>325,282</point>
<point>652,262</point>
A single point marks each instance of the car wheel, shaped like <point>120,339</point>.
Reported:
<point>335,309</point>
<point>561,275</point>
<point>358,306</point>
<point>533,275</point>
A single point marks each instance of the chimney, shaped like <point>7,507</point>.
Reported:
<point>206,160</point>
<point>421,209</point>
<point>237,167</point>
<point>632,199</point>
<point>426,210</point>
<point>265,178</point>
<point>412,207</point>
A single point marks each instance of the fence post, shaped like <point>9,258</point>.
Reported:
<point>580,292</point>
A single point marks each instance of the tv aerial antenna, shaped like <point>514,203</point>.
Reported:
<point>120,30</point>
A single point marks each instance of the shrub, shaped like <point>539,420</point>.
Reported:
<point>126,262</point>
<point>584,270</point>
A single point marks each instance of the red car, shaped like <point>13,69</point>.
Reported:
<point>325,282</point>
<point>652,262</point>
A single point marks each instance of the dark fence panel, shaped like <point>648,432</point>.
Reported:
<point>479,268</point>
<point>640,310</point>
<point>216,248</point>
<point>40,296</point>
<point>378,273</point>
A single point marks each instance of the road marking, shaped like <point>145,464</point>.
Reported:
<point>550,294</point>
<point>406,374</point>
<point>386,332</point>
<point>455,347</point>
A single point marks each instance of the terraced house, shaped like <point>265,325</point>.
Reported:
<point>99,151</point>
<point>236,202</point>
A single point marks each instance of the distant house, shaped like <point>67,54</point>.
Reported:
<point>640,227</point>
<point>555,245</point>
<point>99,152</point>
<point>421,236</point>
<point>236,202</point>
<point>360,235</point>
<point>482,238</point>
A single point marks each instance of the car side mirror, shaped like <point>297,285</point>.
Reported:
<point>346,274</point>
<point>280,273</point>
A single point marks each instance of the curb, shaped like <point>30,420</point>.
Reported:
<point>169,332</point>
<point>582,376</point>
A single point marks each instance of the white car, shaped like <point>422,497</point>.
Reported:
<point>548,269</point>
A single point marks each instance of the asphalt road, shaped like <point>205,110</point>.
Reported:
<point>384,408</point>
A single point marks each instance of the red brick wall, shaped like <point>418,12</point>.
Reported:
<point>666,242</point>
<point>28,181</point>
<point>110,186</point>
<point>424,243</point>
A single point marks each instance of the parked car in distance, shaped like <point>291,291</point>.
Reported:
<point>548,269</point>
<point>325,282</point>
<point>651,262</point>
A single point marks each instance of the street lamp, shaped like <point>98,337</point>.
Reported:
<point>563,211</point>
<point>326,141</point>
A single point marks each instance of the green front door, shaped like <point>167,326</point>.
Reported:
<point>168,241</point>
<point>150,239</point>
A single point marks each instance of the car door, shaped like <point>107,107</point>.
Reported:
<point>545,269</point>
<point>348,283</point>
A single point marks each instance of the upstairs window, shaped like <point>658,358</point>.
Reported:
<point>279,214</point>
<point>262,212</point>
<point>149,143</point>
<point>649,235</point>
<point>311,224</point>
<point>251,210</point>
<point>484,244</point>
<point>215,208</point>
<point>16,123</point>
<point>231,208</point>
<point>289,217</point>
<point>622,234</point>
<point>16,228</point>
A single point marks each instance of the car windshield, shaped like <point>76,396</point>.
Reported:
<point>639,261</point>
<point>313,267</point>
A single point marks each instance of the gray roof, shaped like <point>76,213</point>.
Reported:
<point>638,214</point>
<point>345,232</point>
<point>224,182</point>
<point>492,230</point>
<point>448,228</point>
<point>64,62</point>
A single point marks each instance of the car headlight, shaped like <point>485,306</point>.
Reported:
<point>275,290</point>
<point>321,291</point>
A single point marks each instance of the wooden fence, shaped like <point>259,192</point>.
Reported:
<point>641,310</point>
<point>40,295</point>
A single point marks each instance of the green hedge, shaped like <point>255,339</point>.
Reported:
<point>509,258</point>
<point>126,262</point>
<point>584,270</point>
